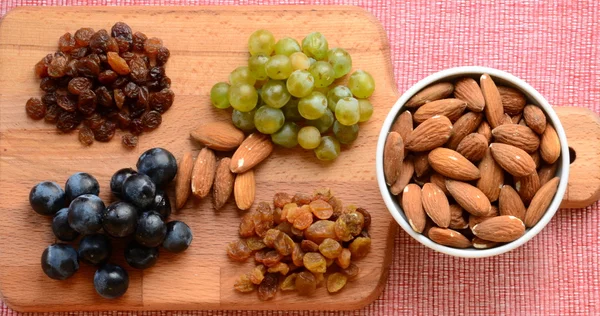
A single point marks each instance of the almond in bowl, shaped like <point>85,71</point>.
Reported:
<point>472,162</point>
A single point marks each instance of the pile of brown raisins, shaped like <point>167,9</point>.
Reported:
<point>304,240</point>
<point>107,81</point>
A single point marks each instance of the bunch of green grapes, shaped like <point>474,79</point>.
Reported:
<point>295,93</point>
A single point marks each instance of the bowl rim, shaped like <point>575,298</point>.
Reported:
<point>564,162</point>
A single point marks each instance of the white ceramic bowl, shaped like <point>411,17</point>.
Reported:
<point>500,78</point>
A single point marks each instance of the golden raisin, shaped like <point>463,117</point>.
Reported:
<point>268,287</point>
<point>270,236</point>
<point>351,271</point>
<point>243,284</point>
<point>283,244</point>
<point>279,267</point>
<point>238,250</point>
<point>315,262</point>
<point>320,278</point>
<point>309,246</point>
<point>289,283</point>
<point>297,255</point>
<point>118,64</point>
<point>343,260</point>
<point>349,225</point>
<point>359,247</point>
<point>306,284</point>
<point>86,136</point>
<point>292,211</point>
<point>257,274</point>
<point>247,225</point>
<point>321,209</point>
<point>281,199</point>
<point>330,248</point>
<point>301,199</point>
<point>303,221</point>
<point>336,282</point>
<point>271,258</point>
<point>255,243</point>
<point>277,215</point>
<point>319,230</point>
<point>323,194</point>
<point>367,217</point>
<point>297,232</point>
<point>338,207</point>
<point>285,227</point>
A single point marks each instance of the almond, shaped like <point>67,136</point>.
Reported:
<point>473,147</point>
<point>550,145</point>
<point>493,103</point>
<point>421,163</point>
<point>470,198</point>
<point>457,218</point>
<point>517,118</point>
<point>434,92</point>
<point>464,126</point>
<point>474,220</point>
<point>527,186</point>
<point>453,165</point>
<point>513,101</point>
<point>223,185</point>
<point>403,125</point>
<point>510,203</point>
<point>540,202</point>
<point>183,180</point>
<point>413,207</point>
<point>536,158</point>
<point>479,243</point>
<point>203,174</point>
<point>406,173</point>
<point>512,159</point>
<point>448,237</point>
<point>468,90</point>
<point>244,189</point>
<point>492,177</point>
<point>547,172</point>
<point>436,204</point>
<point>220,136</point>
<point>517,135</point>
<point>504,228</point>
<point>440,181</point>
<point>485,130</point>
<point>506,119</point>
<point>393,154</point>
<point>450,108</point>
<point>253,150</point>
<point>420,180</point>
<point>535,118</point>
<point>430,134</point>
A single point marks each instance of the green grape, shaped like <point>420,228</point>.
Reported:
<point>300,83</point>
<point>287,46</point>
<point>218,95</point>
<point>313,106</point>
<point>323,73</point>
<point>299,61</point>
<point>361,84</point>
<point>335,94</point>
<point>309,137</point>
<point>311,61</point>
<point>366,110</point>
<point>279,67</point>
<point>286,136</point>
<point>275,94</point>
<point>261,42</point>
<point>345,134</point>
<point>241,75</point>
<point>324,122</point>
<point>340,60</point>
<point>243,120</point>
<point>290,111</point>
<point>315,45</point>
<point>243,97</point>
<point>328,149</point>
<point>268,120</point>
<point>346,111</point>
<point>256,65</point>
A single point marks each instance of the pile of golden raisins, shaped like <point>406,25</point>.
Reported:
<point>301,242</point>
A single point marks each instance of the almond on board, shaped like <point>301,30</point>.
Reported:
<point>244,190</point>
<point>223,185</point>
<point>253,150</point>
<point>183,180</point>
<point>203,174</point>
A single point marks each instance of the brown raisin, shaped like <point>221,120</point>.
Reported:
<point>309,246</point>
<point>118,64</point>
<point>123,45</point>
<point>79,52</point>
<point>319,230</point>
<point>338,207</point>
<point>129,141</point>
<point>79,84</point>
<point>35,108</point>
<point>136,127</point>
<point>48,84</point>
<point>156,73</point>
<point>58,65</point>
<point>66,43</point>
<point>301,199</point>
<point>107,77</point>
<point>88,67</point>
<point>283,244</point>
<point>52,112</point>
<point>128,56</point>
<point>139,39</point>
<point>119,98</point>
<point>142,98</point>
<point>360,247</point>
<point>120,83</point>
<point>303,221</point>
<point>104,97</point>
<point>271,258</point>
<point>306,283</point>
<point>279,268</point>
<point>243,284</point>
<point>71,70</point>
<point>94,121</point>
<point>289,283</point>
<point>95,57</point>
<point>99,41</point>
<point>86,136</point>
<point>257,274</point>
<point>139,70</point>
<point>162,56</point>
<point>314,262</point>
<point>330,248</point>
<point>151,120</point>
<point>165,82</point>
<point>68,121</point>
<point>255,243</point>
<point>238,251</point>
<point>152,45</point>
<point>335,282</point>
<point>105,132</point>
<point>41,68</point>
<point>122,30</point>
<point>297,255</point>
<point>343,261</point>
<point>321,209</point>
<point>87,102</point>
<point>49,98</point>
<point>366,217</point>
<point>351,271</point>
<point>66,102</point>
<point>154,85</point>
<point>112,46</point>
<point>268,287</point>
<point>131,90</point>
<point>123,121</point>
<point>83,36</point>
<point>161,101</point>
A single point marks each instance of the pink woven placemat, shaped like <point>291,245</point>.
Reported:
<point>553,45</point>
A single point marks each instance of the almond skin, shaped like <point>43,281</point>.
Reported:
<point>517,135</point>
<point>253,150</point>
<point>457,218</point>
<point>485,130</point>
<point>546,173</point>
<point>406,173</point>
<point>403,125</point>
<point>534,118</point>
<point>550,145</point>
<point>448,237</point>
<point>470,198</point>
<point>494,111</point>
<point>492,177</point>
<point>479,243</point>
<point>536,158</point>
<point>468,90</point>
<point>244,190</point>
<point>513,101</point>
<point>440,181</point>
<point>434,92</point>
<point>421,163</point>
<point>527,187</point>
<point>223,185</point>
<point>393,155</point>
<point>510,203</point>
<point>203,174</point>
<point>436,204</point>
<point>464,126</point>
<point>512,159</point>
<point>183,180</point>
<point>219,136</point>
<point>504,228</point>
<point>413,207</point>
<point>450,108</point>
<point>453,165</point>
<point>473,147</point>
<point>430,134</point>
<point>540,202</point>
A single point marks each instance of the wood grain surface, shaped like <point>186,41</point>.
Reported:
<point>206,44</point>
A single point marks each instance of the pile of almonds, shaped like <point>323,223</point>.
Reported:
<point>477,168</point>
<point>228,175</point>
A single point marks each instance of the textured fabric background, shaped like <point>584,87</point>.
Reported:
<point>553,45</point>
